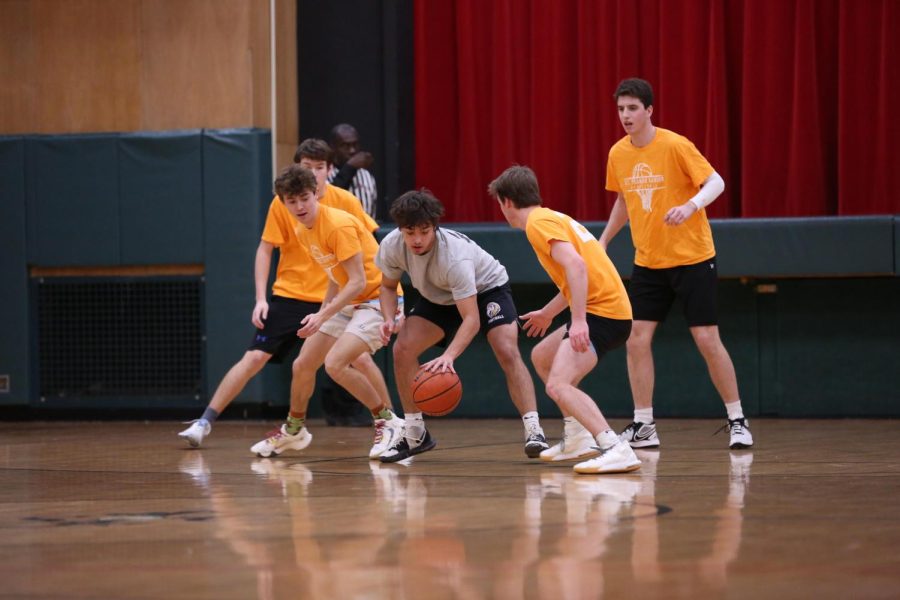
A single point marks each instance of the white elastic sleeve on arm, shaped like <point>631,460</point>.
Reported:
<point>711,189</point>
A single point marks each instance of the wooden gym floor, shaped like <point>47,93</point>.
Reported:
<point>125,510</point>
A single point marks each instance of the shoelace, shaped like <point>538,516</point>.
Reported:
<point>533,430</point>
<point>274,434</point>
<point>735,427</point>
<point>379,431</point>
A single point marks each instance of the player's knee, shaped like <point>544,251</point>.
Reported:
<point>507,355</point>
<point>403,352</point>
<point>363,362</point>
<point>638,342</point>
<point>255,359</point>
<point>334,367</point>
<point>707,339</point>
<point>537,356</point>
<point>554,389</point>
<point>301,365</point>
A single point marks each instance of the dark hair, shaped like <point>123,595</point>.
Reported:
<point>636,88</point>
<point>519,184</point>
<point>415,208</point>
<point>336,132</point>
<point>314,149</point>
<point>295,180</point>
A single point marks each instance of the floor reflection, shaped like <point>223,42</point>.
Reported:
<point>549,534</point>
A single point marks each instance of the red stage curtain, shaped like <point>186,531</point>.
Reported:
<point>788,99</point>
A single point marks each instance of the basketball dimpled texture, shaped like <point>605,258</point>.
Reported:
<point>436,394</point>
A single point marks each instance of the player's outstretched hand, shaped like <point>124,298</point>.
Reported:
<point>440,364</point>
<point>260,314</point>
<point>535,323</point>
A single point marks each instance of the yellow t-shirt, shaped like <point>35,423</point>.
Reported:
<point>336,236</point>
<point>606,296</point>
<point>297,275</point>
<point>665,173</point>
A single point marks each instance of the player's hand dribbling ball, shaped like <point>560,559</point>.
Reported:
<point>436,394</point>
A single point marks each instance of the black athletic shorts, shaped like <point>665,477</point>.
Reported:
<point>495,307</point>
<point>606,334</point>
<point>279,333</point>
<point>652,292</point>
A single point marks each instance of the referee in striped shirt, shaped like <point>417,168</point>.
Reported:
<point>350,168</point>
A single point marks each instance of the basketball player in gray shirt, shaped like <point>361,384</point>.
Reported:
<point>464,290</point>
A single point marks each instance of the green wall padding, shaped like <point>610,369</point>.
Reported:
<point>235,163</point>
<point>161,210</point>
<point>73,200</point>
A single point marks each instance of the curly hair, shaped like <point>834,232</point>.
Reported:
<point>417,207</point>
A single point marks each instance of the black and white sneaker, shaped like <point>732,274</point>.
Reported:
<point>404,447</point>
<point>640,435</point>
<point>535,443</point>
<point>739,432</point>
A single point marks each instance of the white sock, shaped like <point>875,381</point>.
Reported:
<point>571,426</point>
<point>415,425</point>
<point>734,410</point>
<point>607,439</point>
<point>643,415</point>
<point>531,418</point>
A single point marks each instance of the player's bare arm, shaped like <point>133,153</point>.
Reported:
<point>618,216</point>
<point>356,282</point>
<point>388,301</point>
<point>261,266</point>
<point>568,258</point>
<point>471,323</point>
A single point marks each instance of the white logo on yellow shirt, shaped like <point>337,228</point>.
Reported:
<point>326,261</point>
<point>643,182</point>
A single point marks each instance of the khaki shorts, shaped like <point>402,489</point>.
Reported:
<point>362,320</point>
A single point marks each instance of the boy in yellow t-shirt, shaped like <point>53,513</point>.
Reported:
<point>663,184</point>
<point>600,318</point>
<point>297,292</point>
<point>348,322</point>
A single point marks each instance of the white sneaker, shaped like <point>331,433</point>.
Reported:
<point>619,458</point>
<point>386,431</point>
<point>577,443</point>
<point>739,431</point>
<point>194,434</point>
<point>280,440</point>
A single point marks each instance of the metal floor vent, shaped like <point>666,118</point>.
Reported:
<point>119,336</point>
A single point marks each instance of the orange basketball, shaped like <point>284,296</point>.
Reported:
<point>436,394</point>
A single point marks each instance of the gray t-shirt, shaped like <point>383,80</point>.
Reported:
<point>455,268</point>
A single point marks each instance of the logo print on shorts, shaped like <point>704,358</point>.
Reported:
<point>492,310</point>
